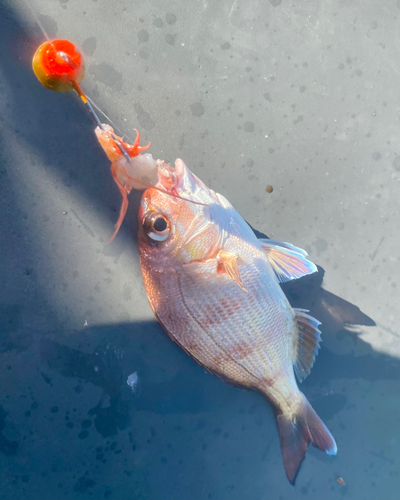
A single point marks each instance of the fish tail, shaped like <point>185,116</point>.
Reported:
<point>297,431</point>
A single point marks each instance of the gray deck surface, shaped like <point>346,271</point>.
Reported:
<point>300,95</point>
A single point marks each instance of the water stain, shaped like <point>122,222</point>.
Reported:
<point>248,127</point>
<point>103,369</point>
<point>298,120</point>
<point>376,155</point>
<point>7,447</point>
<point>111,419</point>
<point>143,36</point>
<point>143,117</point>
<point>83,484</point>
<point>127,293</point>
<point>105,73</point>
<point>100,368</point>
<point>396,163</point>
<point>197,109</point>
<point>9,317</point>
<point>330,405</point>
<point>170,39</point>
<point>181,141</point>
<point>170,18</point>
<point>320,245</point>
<point>89,46</point>
<point>46,378</point>
<point>11,337</point>
<point>158,22</point>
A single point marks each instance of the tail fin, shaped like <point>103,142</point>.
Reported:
<point>296,432</point>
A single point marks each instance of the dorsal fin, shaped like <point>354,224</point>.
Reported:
<point>288,262</point>
<point>306,344</point>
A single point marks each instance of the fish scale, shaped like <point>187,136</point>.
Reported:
<point>200,333</point>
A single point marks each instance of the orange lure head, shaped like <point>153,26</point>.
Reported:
<point>58,65</point>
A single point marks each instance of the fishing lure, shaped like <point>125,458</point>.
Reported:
<point>59,66</point>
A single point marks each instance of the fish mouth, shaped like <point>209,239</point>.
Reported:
<point>182,183</point>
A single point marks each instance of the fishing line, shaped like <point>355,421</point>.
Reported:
<point>62,52</point>
<point>108,118</point>
<point>36,17</point>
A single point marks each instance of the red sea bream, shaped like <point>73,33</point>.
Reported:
<point>214,288</point>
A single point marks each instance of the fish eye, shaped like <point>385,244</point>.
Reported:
<point>160,224</point>
<point>157,227</point>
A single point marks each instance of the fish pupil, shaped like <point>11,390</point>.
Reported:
<point>160,224</point>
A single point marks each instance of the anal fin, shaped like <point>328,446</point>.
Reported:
<point>306,343</point>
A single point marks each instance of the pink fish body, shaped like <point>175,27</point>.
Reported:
<point>214,288</point>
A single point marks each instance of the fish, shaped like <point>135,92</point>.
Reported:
<point>215,289</point>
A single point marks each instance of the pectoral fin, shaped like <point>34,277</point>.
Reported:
<point>288,262</point>
<point>228,264</point>
<point>306,344</point>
